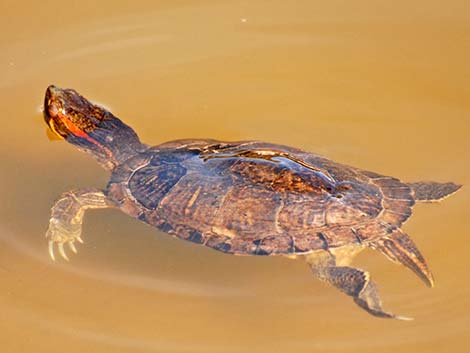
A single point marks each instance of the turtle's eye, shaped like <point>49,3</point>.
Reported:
<point>54,107</point>
<point>52,103</point>
<point>52,110</point>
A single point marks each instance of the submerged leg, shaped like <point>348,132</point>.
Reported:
<point>399,248</point>
<point>65,224</point>
<point>351,281</point>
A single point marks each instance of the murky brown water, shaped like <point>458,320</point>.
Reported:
<point>376,84</point>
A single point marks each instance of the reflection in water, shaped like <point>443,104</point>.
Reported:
<point>167,286</point>
<point>379,86</point>
<point>106,46</point>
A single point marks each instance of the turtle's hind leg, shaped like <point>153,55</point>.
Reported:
<point>65,224</point>
<point>429,191</point>
<point>399,248</point>
<point>351,281</point>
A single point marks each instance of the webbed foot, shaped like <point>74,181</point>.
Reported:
<point>353,282</point>
<point>65,224</point>
<point>61,233</point>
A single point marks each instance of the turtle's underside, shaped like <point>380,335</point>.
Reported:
<point>244,198</point>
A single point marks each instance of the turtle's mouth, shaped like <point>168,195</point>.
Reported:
<point>54,130</point>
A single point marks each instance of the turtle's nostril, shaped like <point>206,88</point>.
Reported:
<point>52,90</point>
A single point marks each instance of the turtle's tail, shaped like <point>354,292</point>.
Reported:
<point>429,191</point>
<point>399,248</point>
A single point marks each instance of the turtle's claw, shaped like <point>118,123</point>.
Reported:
<point>72,247</point>
<point>403,318</point>
<point>60,247</point>
<point>51,250</point>
<point>59,234</point>
<point>62,251</point>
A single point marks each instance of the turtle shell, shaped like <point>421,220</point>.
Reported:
<point>257,198</point>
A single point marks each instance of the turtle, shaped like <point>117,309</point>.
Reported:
<point>242,198</point>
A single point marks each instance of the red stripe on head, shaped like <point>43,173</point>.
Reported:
<point>80,133</point>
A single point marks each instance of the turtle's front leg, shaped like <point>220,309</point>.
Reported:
<point>65,225</point>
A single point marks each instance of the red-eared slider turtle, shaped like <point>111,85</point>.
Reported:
<point>243,198</point>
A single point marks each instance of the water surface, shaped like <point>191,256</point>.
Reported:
<point>379,85</point>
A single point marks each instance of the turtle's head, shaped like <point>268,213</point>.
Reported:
<point>90,127</point>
